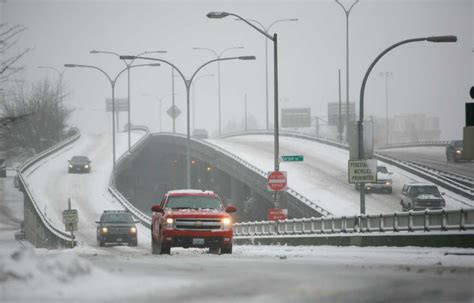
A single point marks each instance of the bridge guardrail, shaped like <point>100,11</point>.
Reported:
<point>264,174</point>
<point>143,218</point>
<point>428,220</point>
<point>27,191</point>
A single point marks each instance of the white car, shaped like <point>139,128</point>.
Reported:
<point>383,184</point>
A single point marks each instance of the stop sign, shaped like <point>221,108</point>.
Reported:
<point>276,181</point>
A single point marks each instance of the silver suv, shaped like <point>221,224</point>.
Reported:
<point>421,196</point>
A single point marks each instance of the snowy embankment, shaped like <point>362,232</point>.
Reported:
<point>53,186</point>
<point>322,176</point>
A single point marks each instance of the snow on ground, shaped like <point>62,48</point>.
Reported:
<point>52,185</point>
<point>84,274</point>
<point>322,176</point>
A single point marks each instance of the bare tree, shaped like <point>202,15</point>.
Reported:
<point>39,119</point>
<point>8,39</point>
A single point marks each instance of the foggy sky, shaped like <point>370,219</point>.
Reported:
<point>427,78</point>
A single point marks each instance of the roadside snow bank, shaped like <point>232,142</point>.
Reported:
<point>43,276</point>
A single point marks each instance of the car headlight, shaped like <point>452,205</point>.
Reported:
<point>226,222</point>
<point>458,151</point>
<point>133,230</point>
<point>169,222</point>
<point>104,230</point>
<point>388,183</point>
<point>86,166</point>
<point>70,166</point>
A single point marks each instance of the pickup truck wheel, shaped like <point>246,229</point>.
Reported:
<point>164,250</point>
<point>214,250</point>
<point>227,249</point>
<point>134,243</point>
<point>101,243</point>
<point>154,247</point>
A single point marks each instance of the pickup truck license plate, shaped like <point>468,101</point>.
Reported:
<point>119,240</point>
<point>198,241</point>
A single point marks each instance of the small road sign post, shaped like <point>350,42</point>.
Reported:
<point>70,220</point>
<point>292,158</point>
<point>275,214</point>
<point>362,171</point>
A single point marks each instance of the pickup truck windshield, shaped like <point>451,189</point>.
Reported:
<point>194,202</point>
<point>425,190</point>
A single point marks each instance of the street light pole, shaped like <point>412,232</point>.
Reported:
<point>194,95</point>
<point>60,73</point>
<point>188,83</point>
<point>266,30</point>
<point>274,38</point>
<point>387,75</point>
<point>218,55</point>
<point>128,65</point>
<point>347,12</point>
<point>360,126</point>
<point>112,84</point>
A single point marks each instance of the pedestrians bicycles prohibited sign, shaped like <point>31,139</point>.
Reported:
<point>277,181</point>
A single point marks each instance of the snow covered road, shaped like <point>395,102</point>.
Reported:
<point>322,176</point>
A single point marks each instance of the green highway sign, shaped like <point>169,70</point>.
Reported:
<point>292,158</point>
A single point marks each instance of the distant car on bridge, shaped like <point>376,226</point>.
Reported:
<point>383,184</point>
<point>454,151</point>
<point>79,164</point>
<point>421,196</point>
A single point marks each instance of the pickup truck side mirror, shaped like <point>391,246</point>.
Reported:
<point>443,194</point>
<point>98,222</point>
<point>230,209</point>
<point>157,209</point>
<point>390,173</point>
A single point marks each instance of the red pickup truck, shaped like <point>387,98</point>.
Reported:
<point>191,218</point>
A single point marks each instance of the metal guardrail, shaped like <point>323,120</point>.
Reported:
<point>264,174</point>
<point>143,218</point>
<point>26,189</point>
<point>433,175</point>
<point>428,220</point>
<point>414,144</point>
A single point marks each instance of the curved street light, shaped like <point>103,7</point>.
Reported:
<point>360,126</point>
<point>128,65</point>
<point>60,73</point>
<point>274,39</point>
<point>187,83</point>
<point>267,29</point>
<point>112,84</point>
<point>218,55</point>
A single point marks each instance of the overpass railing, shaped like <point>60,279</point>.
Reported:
<point>23,184</point>
<point>428,220</point>
<point>139,215</point>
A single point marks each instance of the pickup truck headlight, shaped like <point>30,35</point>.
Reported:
<point>226,223</point>
<point>86,166</point>
<point>133,230</point>
<point>388,182</point>
<point>169,223</point>
<point>70,166</point>
<point>458,151</point>
<point>104,230</point>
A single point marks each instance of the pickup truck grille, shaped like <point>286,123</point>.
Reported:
<point>119,230</point>
<point>198,224</point>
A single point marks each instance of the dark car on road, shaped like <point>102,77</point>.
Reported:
<point>118,227</point>
<point>421,196</point>
<point>454,151</point>
<point>79,164</point>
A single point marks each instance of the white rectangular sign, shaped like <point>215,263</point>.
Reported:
<point>363,171</point>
